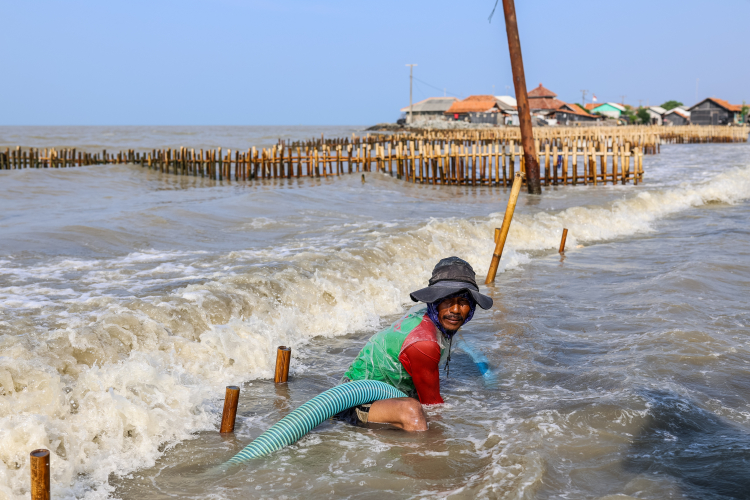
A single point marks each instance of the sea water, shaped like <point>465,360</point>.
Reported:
<point>129,299</point>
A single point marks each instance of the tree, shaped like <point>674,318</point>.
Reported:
<point>671,105</point>
<point>744,112</point>
<point>643,116</point>
<point>628,115</point>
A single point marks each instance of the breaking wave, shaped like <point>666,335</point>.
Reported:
<point>103,361</point>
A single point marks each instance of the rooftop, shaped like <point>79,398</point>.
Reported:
<point>541,92</point>
<point>474,104</point>
<point>431,105</point>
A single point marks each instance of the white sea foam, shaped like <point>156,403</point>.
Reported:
<point>128,354</point>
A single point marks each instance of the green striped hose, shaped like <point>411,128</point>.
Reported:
<point>319,409</point>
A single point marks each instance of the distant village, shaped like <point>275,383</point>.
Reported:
<point>548,110</point>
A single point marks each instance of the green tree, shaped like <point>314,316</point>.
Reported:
<point>671,105</point>
<point>628,115</point>
<point>744,112</point>
<point>643,116</point>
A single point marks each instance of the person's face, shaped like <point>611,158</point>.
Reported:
<point>453,312</point>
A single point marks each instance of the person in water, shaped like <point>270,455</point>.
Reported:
<point>406,354</point>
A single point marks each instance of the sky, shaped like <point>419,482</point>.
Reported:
<point>328,62</point>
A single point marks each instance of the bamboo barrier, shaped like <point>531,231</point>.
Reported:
<point>487,157</point>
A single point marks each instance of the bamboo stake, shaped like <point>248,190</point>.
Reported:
<point>562,241</point>
<point>40,471</point>
<point>229,414</point>
<point>283,357</point>
<point>500,244</point>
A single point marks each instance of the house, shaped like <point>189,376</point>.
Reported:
<point>609,109</point>
<point>430,108</point>
<point>571,113</point>
<point>460,110</point>
<point>713,111</point>
<point>545,104</point>
<point>676,116</point>
<point>656,113</point>
<point>542,99</point>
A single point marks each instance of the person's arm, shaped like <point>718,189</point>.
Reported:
<point>421,362</point>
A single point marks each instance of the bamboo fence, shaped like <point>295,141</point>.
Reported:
<point>567,155</point>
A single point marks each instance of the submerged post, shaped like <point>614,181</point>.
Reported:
<point>230,409</point>
<point>524,115</point>
<point>40,475</point>
<point>500,243</point>
<point>562,241</point>
<point>283,356</point>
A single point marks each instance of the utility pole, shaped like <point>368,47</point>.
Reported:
<point>411,79</point>
<point>622,99</point>
<point>583,93</point>
<point>524,113</point>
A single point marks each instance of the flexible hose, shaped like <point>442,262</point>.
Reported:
<point>319,409</point>
<point>480,360</point>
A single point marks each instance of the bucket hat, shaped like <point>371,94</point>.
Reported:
<point>451,275</point>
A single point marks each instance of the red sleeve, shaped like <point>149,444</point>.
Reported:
<point>421,362</point>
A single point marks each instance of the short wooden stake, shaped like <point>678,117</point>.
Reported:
<point>40,475</point>
<point>562,241</point>
<point>230,409</point>
<point>283,356</point>
<point>500,244</point>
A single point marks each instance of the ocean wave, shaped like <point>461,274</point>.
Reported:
<point>106,360</point>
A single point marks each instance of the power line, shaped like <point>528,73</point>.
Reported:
<point>437,88</point>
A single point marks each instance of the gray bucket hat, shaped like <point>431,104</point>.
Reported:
<point>450,276</point>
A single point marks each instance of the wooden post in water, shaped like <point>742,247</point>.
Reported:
<point>40,485</point>
<point>283,356</point>
<point>230,409</point>
<point>562,241</point>
<point>524,115</point>
<point>500,243</point>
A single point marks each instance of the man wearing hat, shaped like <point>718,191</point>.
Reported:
<point>406,354</point>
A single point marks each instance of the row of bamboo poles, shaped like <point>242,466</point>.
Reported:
<point>568,155</point>
<point>415,161</point>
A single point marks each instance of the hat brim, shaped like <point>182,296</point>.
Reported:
<point>443,289</point>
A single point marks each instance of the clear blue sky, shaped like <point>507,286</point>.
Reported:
<point>246,62</point>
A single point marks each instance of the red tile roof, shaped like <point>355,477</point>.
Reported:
<point>480,98</point>
<point>577,109</point>
<point>545,103</point>
<point>473,104</point>
<point>592,105</point>
<point>724,104</point>
<point>541,92</point>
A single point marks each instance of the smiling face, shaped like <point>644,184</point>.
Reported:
<point>453,312</point>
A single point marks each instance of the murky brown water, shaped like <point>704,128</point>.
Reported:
<point>129,299</point>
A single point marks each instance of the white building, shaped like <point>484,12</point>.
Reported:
<point>656,113</point>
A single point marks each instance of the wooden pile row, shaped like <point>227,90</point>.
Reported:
<point>572,155</point>
<point>416,161</point>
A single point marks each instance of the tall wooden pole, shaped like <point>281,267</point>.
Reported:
<point>524,114</point>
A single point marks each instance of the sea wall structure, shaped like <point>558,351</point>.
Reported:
<point>567,155</point>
